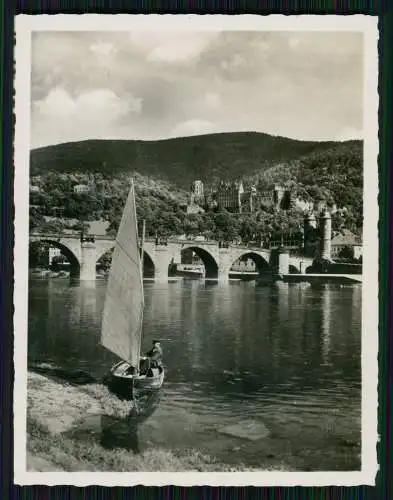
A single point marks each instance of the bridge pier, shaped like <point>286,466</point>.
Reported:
<point>88,262</point>
<point>224,265</point>
<point>223,276</point>
<point>161,265</point>
<point>283,261</point>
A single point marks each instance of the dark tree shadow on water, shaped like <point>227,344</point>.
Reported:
<point>123,433</point>
<point>114,432</point>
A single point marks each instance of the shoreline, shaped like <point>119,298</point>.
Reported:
<point>57,441</point>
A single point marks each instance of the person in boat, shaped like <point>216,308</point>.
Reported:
<point>154,357</point>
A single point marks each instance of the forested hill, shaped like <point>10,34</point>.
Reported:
<point>163,171</point>
<point>180,160</point>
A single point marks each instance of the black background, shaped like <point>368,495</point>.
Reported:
<point>376,8</point>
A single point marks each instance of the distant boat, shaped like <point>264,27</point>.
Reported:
<point>122,319</point>
<point>192,270</point>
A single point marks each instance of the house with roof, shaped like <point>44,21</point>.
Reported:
<point>81,188</point>
<point>346,239</point>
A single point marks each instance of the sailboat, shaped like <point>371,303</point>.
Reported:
<point>122,319</point>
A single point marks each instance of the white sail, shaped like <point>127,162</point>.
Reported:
<point>123,311</point>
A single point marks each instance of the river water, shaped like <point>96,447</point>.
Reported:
<point>285,358</point>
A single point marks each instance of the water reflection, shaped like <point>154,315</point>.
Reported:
<point>287,355</point>
<point>326,322</point>
<point>123,433</point>
<point>266,334</point>
<point>84,303</point>
<point>39,333</point>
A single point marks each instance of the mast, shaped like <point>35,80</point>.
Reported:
<point>142,245</point>
<point>143,233</point>
<point>140,269</point>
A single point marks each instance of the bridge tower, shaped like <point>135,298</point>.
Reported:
<point>310,225</point>
<point>326,235</point>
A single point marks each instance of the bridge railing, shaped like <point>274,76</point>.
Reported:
<point>55,236</point>
<point>182,242</point>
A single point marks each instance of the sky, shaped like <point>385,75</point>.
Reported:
<point>155,85</point>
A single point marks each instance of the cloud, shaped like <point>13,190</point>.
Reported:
<point>307,85</point>
<point>58,103</point>
<point>106,101</point>
<point>193,127</point>
<point>98,104</point>
<point>172,46</point>
<point>59,117</point>
<point>213,100</point>
<point>102,49</point>
<point>236,61</point>
<point>293,42</point>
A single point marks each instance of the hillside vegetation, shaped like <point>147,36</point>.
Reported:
<point>163,171</point>
<point>179,161</point>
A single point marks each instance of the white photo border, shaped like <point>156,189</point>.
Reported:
<point>24,26</point>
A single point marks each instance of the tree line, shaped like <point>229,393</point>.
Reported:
<point>334,176</point>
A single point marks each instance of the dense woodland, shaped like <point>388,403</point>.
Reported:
<point>162,176</point>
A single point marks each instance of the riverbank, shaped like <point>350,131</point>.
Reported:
<point>338,279</point>
<point>58,440</point>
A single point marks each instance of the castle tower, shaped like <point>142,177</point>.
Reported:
<point>239,193</point>
<point>253,194</point>
<point>310,225</point>
<point>326,235</point>
<point>197,192</point>
<point>197,188</point>
<point>278,195</point>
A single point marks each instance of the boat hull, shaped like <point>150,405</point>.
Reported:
<point>126,385</point>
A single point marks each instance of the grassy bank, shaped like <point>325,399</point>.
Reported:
<point>51,452</point>
<point>56,410</point>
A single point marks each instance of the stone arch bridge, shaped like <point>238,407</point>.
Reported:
<point>83,255</point>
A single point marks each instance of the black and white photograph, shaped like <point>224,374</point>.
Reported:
<point>196,250</point>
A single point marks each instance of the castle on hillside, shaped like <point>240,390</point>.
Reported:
<point>197,196</point>
<point>229,196</point>
<point>233,197</point>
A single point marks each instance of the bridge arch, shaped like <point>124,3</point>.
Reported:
<point>104,258</point>
<point>293,269</point>
<point>65,250</point>
<point>208,259</point>
<point>149,266</point>
<point>105,252</point>
<point>261,263</point>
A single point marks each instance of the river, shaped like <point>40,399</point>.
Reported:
<point>286,357</point>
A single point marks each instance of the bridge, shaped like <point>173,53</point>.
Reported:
<point>84,253</point>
